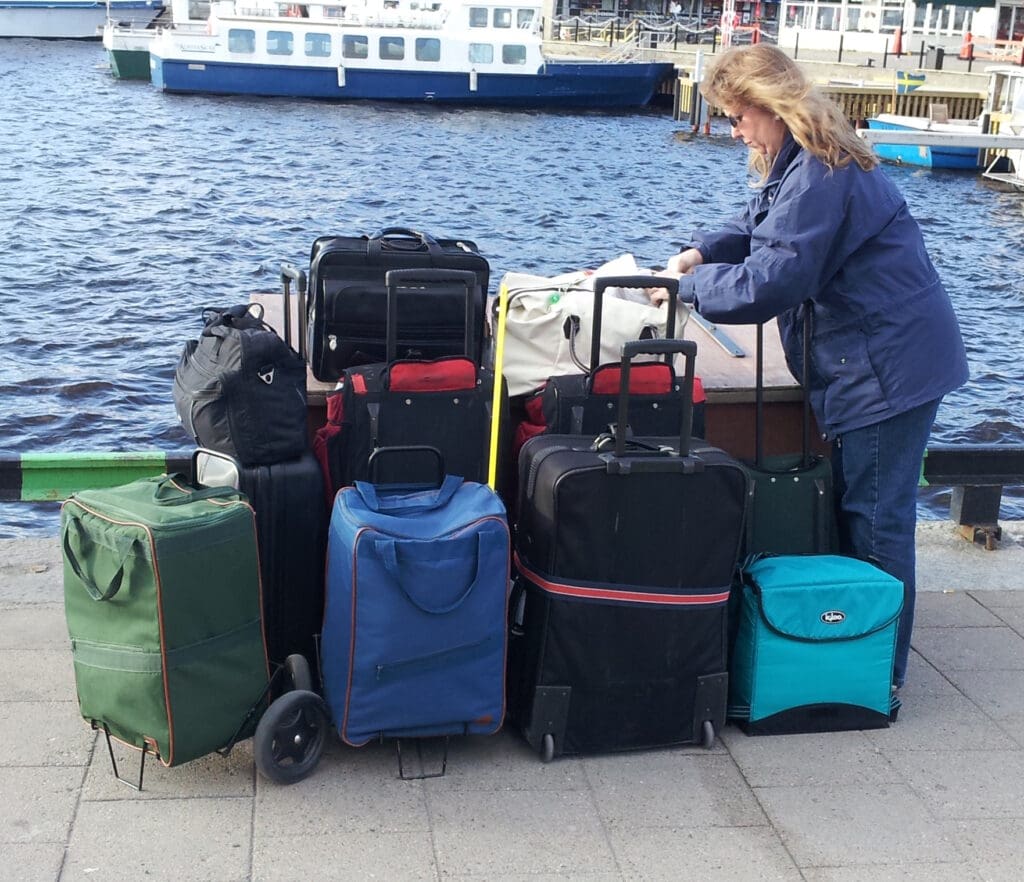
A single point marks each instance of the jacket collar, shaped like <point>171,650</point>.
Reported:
<point>787,154</point>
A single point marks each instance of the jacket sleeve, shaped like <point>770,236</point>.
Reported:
<point>798,245</point>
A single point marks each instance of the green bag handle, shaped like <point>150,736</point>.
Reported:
<point>125,545</point>
<point>388,550</point>
<point>170,491</point>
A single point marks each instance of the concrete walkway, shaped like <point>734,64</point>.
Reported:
<point>939,796</point>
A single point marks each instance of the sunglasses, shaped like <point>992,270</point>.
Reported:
<point>735,121</point>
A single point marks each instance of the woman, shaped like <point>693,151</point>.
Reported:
<point>828,238</point>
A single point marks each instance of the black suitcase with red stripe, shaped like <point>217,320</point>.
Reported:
<point>625,551</point>
<point>444,403</point>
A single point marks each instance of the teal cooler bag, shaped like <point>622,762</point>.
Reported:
<point>815,643</point>
<point>162,598</point>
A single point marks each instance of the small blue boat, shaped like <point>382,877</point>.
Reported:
<point>947,156</point>
<point>455,52</point>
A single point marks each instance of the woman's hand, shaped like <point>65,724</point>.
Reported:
<point>679,265</point>
<point>684,262</point>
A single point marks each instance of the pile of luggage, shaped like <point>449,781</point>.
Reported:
<point>443,556</point>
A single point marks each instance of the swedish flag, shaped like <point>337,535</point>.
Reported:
<point>906,82</point>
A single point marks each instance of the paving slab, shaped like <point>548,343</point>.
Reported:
<point>391,857</point>
<point>37,804</point>
<point>37,675</point>
<point>953,609</point>
<point>185,840</point>
<point>961,872</point>
<point>971,649</point>
<point>968,785</point>
<point>31,862</point>
<point>43,733</point>
<point>995,848</point>
<point>953,722</point>
<point>856,824</point>
<point>725,854</point>
<point>528,832</point>
<point>31,570</point>
<point>669,789</point>
<point>33,626</point>
<point>820,759</point>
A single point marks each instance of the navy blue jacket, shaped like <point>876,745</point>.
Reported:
<point>885,338</point>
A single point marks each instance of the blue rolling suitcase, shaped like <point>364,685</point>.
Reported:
<point>815,644</point>
<point>414,636</point>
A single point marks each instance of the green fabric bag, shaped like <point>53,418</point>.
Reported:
<point>815,644</point>
<point>162,598</point>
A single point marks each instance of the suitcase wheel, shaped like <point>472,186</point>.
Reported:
<point>290,737</point>
<point>298,672</point>
<point>547,748</point>
<point>707,732</point>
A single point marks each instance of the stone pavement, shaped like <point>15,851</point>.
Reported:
<point>939,796</point>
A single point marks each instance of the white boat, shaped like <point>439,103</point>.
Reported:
<point>71,19</point>
<point>487,53</point>
<point>127,44</point>
<point>1005,106</point>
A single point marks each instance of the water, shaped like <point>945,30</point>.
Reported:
<point>124,211</point>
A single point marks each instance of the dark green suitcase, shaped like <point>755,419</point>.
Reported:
<point>791,506</point>
<point>162,597</point>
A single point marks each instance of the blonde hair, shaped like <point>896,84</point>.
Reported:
<point>765,77</point>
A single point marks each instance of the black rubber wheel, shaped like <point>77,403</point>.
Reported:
<point>298,672</point>
<point>707,732</point>
<point>290,737</point>
<point>547,748</point>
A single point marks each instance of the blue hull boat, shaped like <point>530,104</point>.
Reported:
<point>462,53</point>
<point>934,156</point>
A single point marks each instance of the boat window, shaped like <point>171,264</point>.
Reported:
<point>241,40</point>
<point>391,48</point>
<point>428,49</point>
<point>481,53</point>
<point>279,42</point>
<point>513,54</point>
<point>354,47</point>
<point>503,18</point>
<point>524,18</point>
<point>477,17</point>
<point>318,45</point>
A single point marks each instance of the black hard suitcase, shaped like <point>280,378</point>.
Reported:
<point>445,403</point>
<point>347,303</point>
<point>792,506</point>
<point>291,530</point>
<point>625,556</point>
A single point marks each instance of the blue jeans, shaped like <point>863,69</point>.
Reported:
<point>875,471</point>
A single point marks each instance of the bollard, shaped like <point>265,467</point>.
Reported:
<point>839,60</point>
<point>940,55</point>
<point>920,57</point>
<point>885,53</point>
<point>796,46</point>
<point>970,57</point>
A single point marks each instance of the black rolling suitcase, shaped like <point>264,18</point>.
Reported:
<point>792,508</point>
<point>445,403</point>
<point>625,556</point>
<point>291,529</point>
<point>347,305</point>
<point>585,403</point>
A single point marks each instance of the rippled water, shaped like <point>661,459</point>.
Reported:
<point>125,211</point>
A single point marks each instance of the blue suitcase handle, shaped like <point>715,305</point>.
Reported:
<point>406,502</point>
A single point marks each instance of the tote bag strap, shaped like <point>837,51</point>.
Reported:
<point>390,557</point>
<point>409,503</point>
<point>125,548</point>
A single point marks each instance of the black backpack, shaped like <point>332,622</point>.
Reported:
<point>241,390</point>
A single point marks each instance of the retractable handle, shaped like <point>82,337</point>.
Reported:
<point>399,450</point>
<point>668,348</point>
<point>291,273</point>
<point>602,284</point>
<point>805,440</point>
<point>422,278</point>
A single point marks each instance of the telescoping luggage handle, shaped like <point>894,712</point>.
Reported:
<point>291,273</point>
<point>422,278</point>
<point>602,284</point>
<point>805,441</point>
<point>668,348</point>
